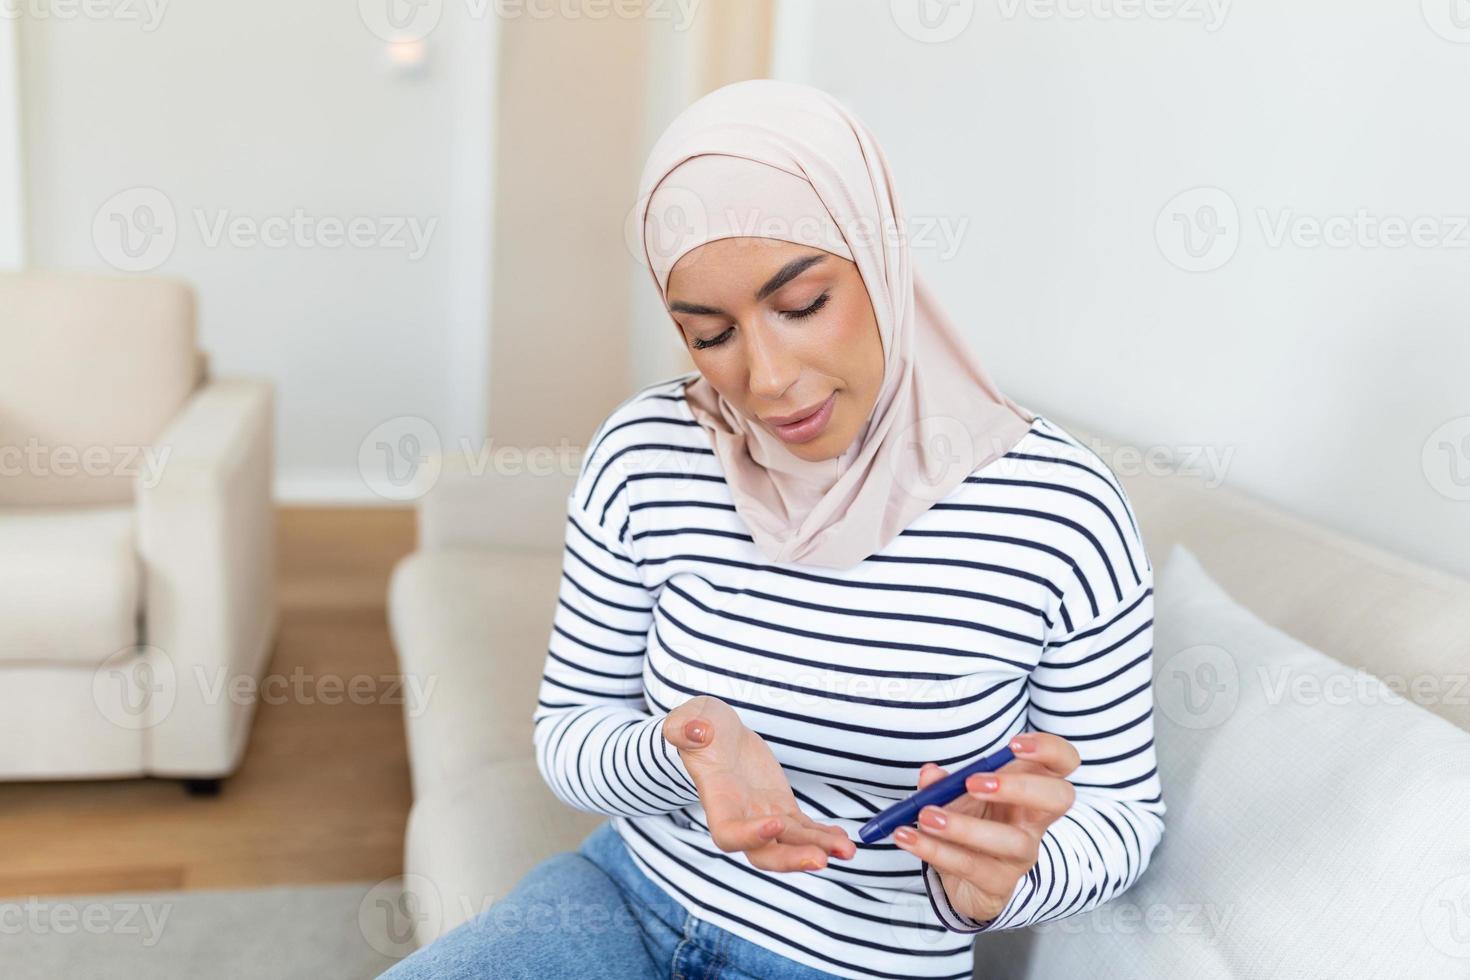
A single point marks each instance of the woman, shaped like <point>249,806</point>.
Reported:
<point>812,576</point>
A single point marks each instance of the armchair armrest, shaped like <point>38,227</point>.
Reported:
<point>206,537</point>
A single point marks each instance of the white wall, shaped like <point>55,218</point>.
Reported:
<point>282,111</point>
<point>1333,380</point>
<point>12,233</point>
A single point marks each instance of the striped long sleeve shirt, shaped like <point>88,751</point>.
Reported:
<point>1022,601</point>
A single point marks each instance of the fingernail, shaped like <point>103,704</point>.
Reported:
<point>1023,743</point>
<point>695,730</point>
<point>905,836</point>
<point>809,864</point>
<point>985,784</point>
<point>932,816</point>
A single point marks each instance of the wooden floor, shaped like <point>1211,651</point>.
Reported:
<point>323,792</point>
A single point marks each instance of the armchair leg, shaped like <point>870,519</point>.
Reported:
<point>203,787</point>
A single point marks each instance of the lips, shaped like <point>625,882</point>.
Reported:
<point>804,413</point>
<point>806,427</point>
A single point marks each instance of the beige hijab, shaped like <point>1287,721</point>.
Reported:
<point>779,160</point>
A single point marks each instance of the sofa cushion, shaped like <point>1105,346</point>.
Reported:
<point>471,628</point>
<point>55,724</point>
<point>69,584</point>
<point>91,370</point>
<point>1315,821</point>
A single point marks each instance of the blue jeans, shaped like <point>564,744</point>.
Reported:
<point>593,912</point>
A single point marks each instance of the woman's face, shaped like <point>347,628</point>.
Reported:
<point>781,330</point>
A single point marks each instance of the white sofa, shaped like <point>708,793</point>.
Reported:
<point>471,611</point>
<point>137,605</point>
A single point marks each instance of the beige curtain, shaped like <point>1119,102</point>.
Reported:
<point>581,98</point>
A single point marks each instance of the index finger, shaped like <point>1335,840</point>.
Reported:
<point>1052,751</point>
<point>742,834</point>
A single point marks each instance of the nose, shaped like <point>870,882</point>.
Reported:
<point>770,365</point>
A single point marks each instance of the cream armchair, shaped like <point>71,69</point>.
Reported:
<point>136,536</point>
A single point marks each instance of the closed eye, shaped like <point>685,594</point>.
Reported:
<point>817,304</point>
<point>713,342</point>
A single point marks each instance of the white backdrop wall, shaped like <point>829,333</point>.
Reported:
<point>333,211</point>
<point>12,236</point>
<point>1227,228</point>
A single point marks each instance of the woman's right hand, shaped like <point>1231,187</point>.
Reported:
<point>745,793</point>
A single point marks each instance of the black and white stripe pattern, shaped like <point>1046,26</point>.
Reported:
<point>1023,601</point>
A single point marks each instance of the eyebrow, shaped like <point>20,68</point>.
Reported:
<point>787,272</point>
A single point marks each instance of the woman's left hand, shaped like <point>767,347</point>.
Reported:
<point>985,841</point>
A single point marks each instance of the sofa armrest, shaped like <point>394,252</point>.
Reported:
<point>206,537</point>
<point>468,843</point>
<point>475,503</point>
